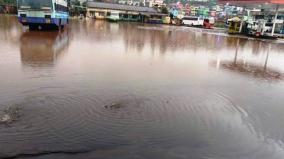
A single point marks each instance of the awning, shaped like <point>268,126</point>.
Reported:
<point>235,19</point>
<point>157,14</point>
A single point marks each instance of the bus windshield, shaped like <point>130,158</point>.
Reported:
<point>190,18</point>
<point>34,4</point>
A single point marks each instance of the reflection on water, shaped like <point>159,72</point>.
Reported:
<point>250,68</point>
<point>161,38</point>
<point>103,90</point>
<point>42,48</point>
<point>9,28</point>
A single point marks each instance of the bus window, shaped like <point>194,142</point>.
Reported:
<point>32,4</point>
<point>60,8</point>
<point>190,18</point>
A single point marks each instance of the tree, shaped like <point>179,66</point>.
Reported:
<point>84,4</point>
<point>141,4</point>
<point>164,10</point>
<point>156,6</point>
<point>8,2</point>
<point>77,8</point>
<point>75,3</point>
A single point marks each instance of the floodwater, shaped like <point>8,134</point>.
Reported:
<point>135,91</point>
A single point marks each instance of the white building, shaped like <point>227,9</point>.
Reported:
<point>147,3</point>
<point>151,3</point>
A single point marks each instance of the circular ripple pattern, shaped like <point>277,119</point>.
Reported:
<point>80,121</point>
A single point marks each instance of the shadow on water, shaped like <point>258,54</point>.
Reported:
<point>42,48</point>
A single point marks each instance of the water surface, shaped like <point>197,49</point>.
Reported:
<point>129,90</point>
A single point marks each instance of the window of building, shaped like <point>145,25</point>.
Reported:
<point>101,14</point>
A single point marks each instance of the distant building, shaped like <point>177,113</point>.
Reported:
<point>124,2</point>
<point>132,2</point>
<point>110,11</point>
<point>99,10</point>
<point>152,3</point>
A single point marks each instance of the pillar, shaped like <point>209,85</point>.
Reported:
<point>275,19</point>
<point>242,20</point>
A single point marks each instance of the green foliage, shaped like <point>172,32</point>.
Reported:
<point>84,4</point>
<point>164,10</point>
<point>8,2</point>
<point>141,4</point>
<point>76,8</point>
<point>76,3</point>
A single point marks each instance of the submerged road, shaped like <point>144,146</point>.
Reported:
<point>137,91</point>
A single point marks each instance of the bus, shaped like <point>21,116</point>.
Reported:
<point>193,21</point>
<point>40,14</point>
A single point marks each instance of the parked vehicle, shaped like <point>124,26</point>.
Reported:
<point>208,23</point>
<point>267,26</point>
<point>192,21</point>
<point>158,19</point>
<point>113,16</point>
<point>234,25</point>
<point>81,16</point>
<point>39,14</point>
<point>260,29</point>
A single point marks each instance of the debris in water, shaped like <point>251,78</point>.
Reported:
<point>113,106</point>
<point>5,118</point>
<point>9,115</point>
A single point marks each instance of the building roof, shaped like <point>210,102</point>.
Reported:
<point>120,7</point>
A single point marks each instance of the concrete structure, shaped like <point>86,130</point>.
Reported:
<point>142,3</point>
<point>152,3</point>
<point>100,10</point>
<point>273,6</point>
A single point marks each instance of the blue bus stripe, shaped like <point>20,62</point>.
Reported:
<point>39,20</point>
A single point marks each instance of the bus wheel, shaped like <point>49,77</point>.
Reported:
<point>59,24</point>
<point>33,27</point>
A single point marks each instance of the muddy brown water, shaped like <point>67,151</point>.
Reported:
<point>129,90</point>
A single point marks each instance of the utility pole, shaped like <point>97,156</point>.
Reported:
<point>275,19</point>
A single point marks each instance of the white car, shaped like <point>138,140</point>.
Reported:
<point>192,21</point>
<point>266,28</point>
